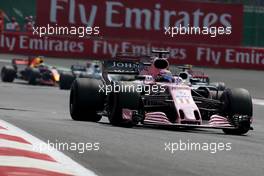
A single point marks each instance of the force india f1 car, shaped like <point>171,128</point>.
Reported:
<point>90,70</point>
<point>178,105</point>
<point>32,70</point>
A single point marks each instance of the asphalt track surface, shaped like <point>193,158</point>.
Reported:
<point>43,112</point>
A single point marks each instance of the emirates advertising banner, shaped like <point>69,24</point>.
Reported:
<point>203,55</point>
<point>152,20</point>
<point>100,29</point>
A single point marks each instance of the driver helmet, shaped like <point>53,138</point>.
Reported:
<point>165,76</point>
<point>36,62</point>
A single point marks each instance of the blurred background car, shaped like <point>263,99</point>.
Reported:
<point>90,70</point>
<point>33,70</point>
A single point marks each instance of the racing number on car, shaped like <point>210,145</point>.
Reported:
<point>182,97</point>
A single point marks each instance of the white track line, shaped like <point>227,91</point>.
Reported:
<point>5,61</point>
<point>68,164</point>
<point>18,145</point>
<point>258,102</point>
<point>17,161</point>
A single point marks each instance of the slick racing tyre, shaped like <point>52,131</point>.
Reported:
<point>8,74</point>
<point>33,75</point>
<point>66,80</point>
<point>86,100</point>
<point>123,100</point>
<point>238,108</point>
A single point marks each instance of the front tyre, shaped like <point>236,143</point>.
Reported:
<point>8,74</point>
<point>86,100</point>
<point>239,109</point>
<point>117,101</point>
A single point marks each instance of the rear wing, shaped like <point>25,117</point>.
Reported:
<point>131,57</point>
<point>126,63</point>
<point>121,67</point>
<point>198,74</point>
<point>20,61</point>
<point>131,63</point>
<point>160,53</point>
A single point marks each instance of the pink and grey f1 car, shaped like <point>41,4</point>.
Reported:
<point>155,97</point>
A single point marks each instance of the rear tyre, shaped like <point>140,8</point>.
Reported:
<point>238,108</point>
<point>123,100</point>
<point>8,74</point>
<point>66,80</point>
<point>86,100</point>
